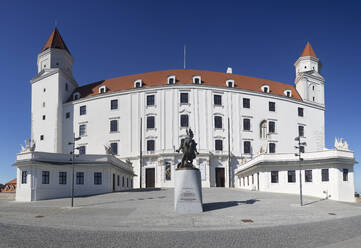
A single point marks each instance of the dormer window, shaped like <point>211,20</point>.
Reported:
<point>138,83</point>
<point>76,96</point>
<point>288,93</point>
<point>265,88</point>
<point>230,83</point>
<point>102,89</point>
<point>171,79</point>
<point>197,80</point>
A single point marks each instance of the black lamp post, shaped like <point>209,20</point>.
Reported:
<point>300,144</point>
<point>72,163</point>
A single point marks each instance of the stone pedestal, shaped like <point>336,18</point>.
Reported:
<point>188,191</point>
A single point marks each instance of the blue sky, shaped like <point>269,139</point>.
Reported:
<point>113,38</point>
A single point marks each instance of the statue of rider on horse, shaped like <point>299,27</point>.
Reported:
<point>189,149</point>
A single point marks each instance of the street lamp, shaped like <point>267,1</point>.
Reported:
<point>72,163</point>
<point>300,144</point>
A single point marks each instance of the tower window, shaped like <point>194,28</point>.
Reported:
<point>183,98</point>
<point>150,122</point>
<point>246,103</point>
<point>114,126</point>
<point>114,148</point>
<point>272,148</point>
<point>246,124</point>
<point>313,88</point>
<point>150,100</point>
<point>41,137</point>
<point>345,175</point>
<point>271,127</point>
<point>44,89</point>
<point>150,145</point>
<point>114,104</point>
<point>82,130</point>
<point>66,87</point>
<point>300,112</point>
<point>313,98</point>
<point>217,100</point>
<point>24,177</point>
<point>82,110</point>
<point>218,145</point>
<point>184,121</point>
<point>67,115</point>
<point>218,122</point>
<point>272,106</point>
<point>43,104</point>
<point>247,147</point>
<point>44,117</point>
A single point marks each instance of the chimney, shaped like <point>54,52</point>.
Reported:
<point>229,70</point>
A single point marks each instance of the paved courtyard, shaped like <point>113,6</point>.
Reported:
<point>153,210</point>
<point>232,218</point>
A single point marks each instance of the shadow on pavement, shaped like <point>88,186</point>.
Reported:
<point>219,205</point>
<point>313,202</point>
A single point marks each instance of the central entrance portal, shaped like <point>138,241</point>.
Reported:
<point>150,178</point>
<point>219,177</point>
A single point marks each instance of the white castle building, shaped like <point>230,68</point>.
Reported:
<point>245,128</point>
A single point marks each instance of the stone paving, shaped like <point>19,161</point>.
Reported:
<point>153,211</point>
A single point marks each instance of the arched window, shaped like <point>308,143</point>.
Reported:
<point>265,88</point>
<point>263,129</point>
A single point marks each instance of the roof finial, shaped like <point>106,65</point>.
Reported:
<point>55,24</point>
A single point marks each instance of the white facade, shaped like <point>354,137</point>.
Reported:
<point>108,113</point>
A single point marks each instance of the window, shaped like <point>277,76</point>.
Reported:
<point>246,103</point>
<point>24,175</point>
<point>114,104</point>
<point>246,124</point>
<point>97,178</point>
<point>313,88</point>
<point>271,127</point>
<point>218,122</point>
<point>197,80</point>
<point>80,178</point>
<point>150,122</point>
<point>67,115</point>
<point>345,175</point>
<point>272,106</point>
<point>138,83</point>
<point>218,145</point>
<point>45,177</point>
<point>217,100</point>
<point>82,150</point>
<point>291,176</point>
<point>301,131</point>
<point>102,89</point>
<point>313,98</point>
<point>247,147</point>
<point>150,145</point>
<point>263,129</point>
<point>44,90</point>
<point>43,117</point>
<point>114,126</point>
<point>66,87</point>
<point>41,137</point>
<point>230,83</point>
<point>62,177</point>
<point>252,178</point>
<point>300,112</point>
<point>324,173</point>
<point>118,180</point>
<point>184,121</point>
<point>308,176</point>
<point>171,80</point>
<point>288,93</point>
<point>82,130</point>
<point>265,88</point>
<point>274,176</point>
<point>123,181</point>
<point>76,96</point>
<point>82,110</point>
<point>168,171</point>
<point>302,149</point>
<point>183,98</point>
<point>114,147</point>
<point>150,100</point>
<point>43,104</point>
<point>272,148</point>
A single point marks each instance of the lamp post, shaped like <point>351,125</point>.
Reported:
<point>72,163</point>
<point>300,144</point>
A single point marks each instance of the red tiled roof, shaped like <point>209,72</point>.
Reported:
<point>185,76</point>
<point>55,41</point>
<point>308,51</point>
<point>12,181</point>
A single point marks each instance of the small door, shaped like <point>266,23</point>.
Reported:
<point>219,177</point>
<point>150,178</point>
<point>113,182</point>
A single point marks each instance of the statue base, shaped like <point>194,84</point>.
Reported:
<point>188,191</point>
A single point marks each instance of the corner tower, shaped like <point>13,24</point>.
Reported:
<point>309,82</point>
<point>50,89</point>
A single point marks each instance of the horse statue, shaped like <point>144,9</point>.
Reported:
<point>189,149</point>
